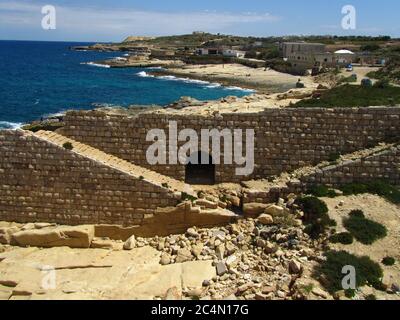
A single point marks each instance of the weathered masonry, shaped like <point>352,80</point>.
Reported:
<point>106,179</point>
<point>285,139</point>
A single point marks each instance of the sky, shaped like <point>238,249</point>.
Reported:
<point>106,21</point>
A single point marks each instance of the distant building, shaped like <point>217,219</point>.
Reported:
<point>220,51</point>
<point>209,51</point>
<point>233,53</point>
<point>344,57</point>
<point>304,56</point>
<point>289,49</point>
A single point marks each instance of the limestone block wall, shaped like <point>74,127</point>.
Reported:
<point>286,139</point>
<point>384,165</point>
<point>40,181</point>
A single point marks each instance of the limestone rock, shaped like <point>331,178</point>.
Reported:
<point>294,266</point>
<point>254,209</point>
<point>220,251</point>
<point>103,244</point>
<point>73,237</point>
<point>265,219</point>
<point>221,268</point>
<point>191,232</point>
<point>274,210</point>
<point>183,255</point>
<point>130,243</point>
<point>197,249</point>
<point>6,234</point>
<point>165,259</point>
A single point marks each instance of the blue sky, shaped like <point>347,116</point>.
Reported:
<point>101,20</point>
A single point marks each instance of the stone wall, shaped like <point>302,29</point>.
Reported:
<point>384,165</point>
<point>286,139</point>
<point>40,181</point>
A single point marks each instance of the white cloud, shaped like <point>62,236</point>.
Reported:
<point>118,23</point>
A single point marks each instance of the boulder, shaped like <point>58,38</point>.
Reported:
<point>183,255</point>
<point>221,268</point>
<point>103,244</point>
<point>197,249</point>
<point>191,232</point>
<point>65,236</point>
<point>294,267</point>
<point>274,210</point>
<point>130,243</point>
<point>165,259</point>
<point>254,209</point>
<point>265,219</point>
<point>6,234</point>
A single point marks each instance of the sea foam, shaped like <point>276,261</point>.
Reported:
<point>9,125</point>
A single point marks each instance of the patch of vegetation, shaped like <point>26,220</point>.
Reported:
<point>370,47</point>
<point>308,288</point>
<point>68,146</point>
<point>316,215</point>
<point>350,96</point>
<point>350,293</point>
<point>388,261</point>
<point>47,126</point>
<point>370,297</point>
<point>364,230</point>
<point>349,79</point>
<point>357,213</point>
<point>343,238</point>
<point>322,191</point>
<point>141,178</point>
<point>368,272</point>
<point>165,185</point>
<point>391,71</point>
<point>185,196</point>
<point>380,188</point>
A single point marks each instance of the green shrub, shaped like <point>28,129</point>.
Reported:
<point>185,196</point>
<point>388,261</point>
<point>367,271</point>
<point>350,293</point>
<point>380,188</point>
<point>364,230</point>
<point>316,215</point>
<point>383,83</point>
<point>370,297</point>
<point>322,191</point>
<point>333,157</point>
<point>343,238</point>
<point>350,96</point>
<point>165,185</point>
<point>47,126</point>
<point>68,146</point>
<point>357,213</point>
<point>141,178</point>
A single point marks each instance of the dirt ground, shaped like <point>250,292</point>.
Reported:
<point>381,211</point>
<point>361,73</point>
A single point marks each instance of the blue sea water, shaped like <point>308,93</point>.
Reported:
<point>42,78</point>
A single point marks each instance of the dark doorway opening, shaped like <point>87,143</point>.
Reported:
<point>201,174</point>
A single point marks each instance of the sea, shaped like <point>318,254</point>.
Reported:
<point>40,79</point>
